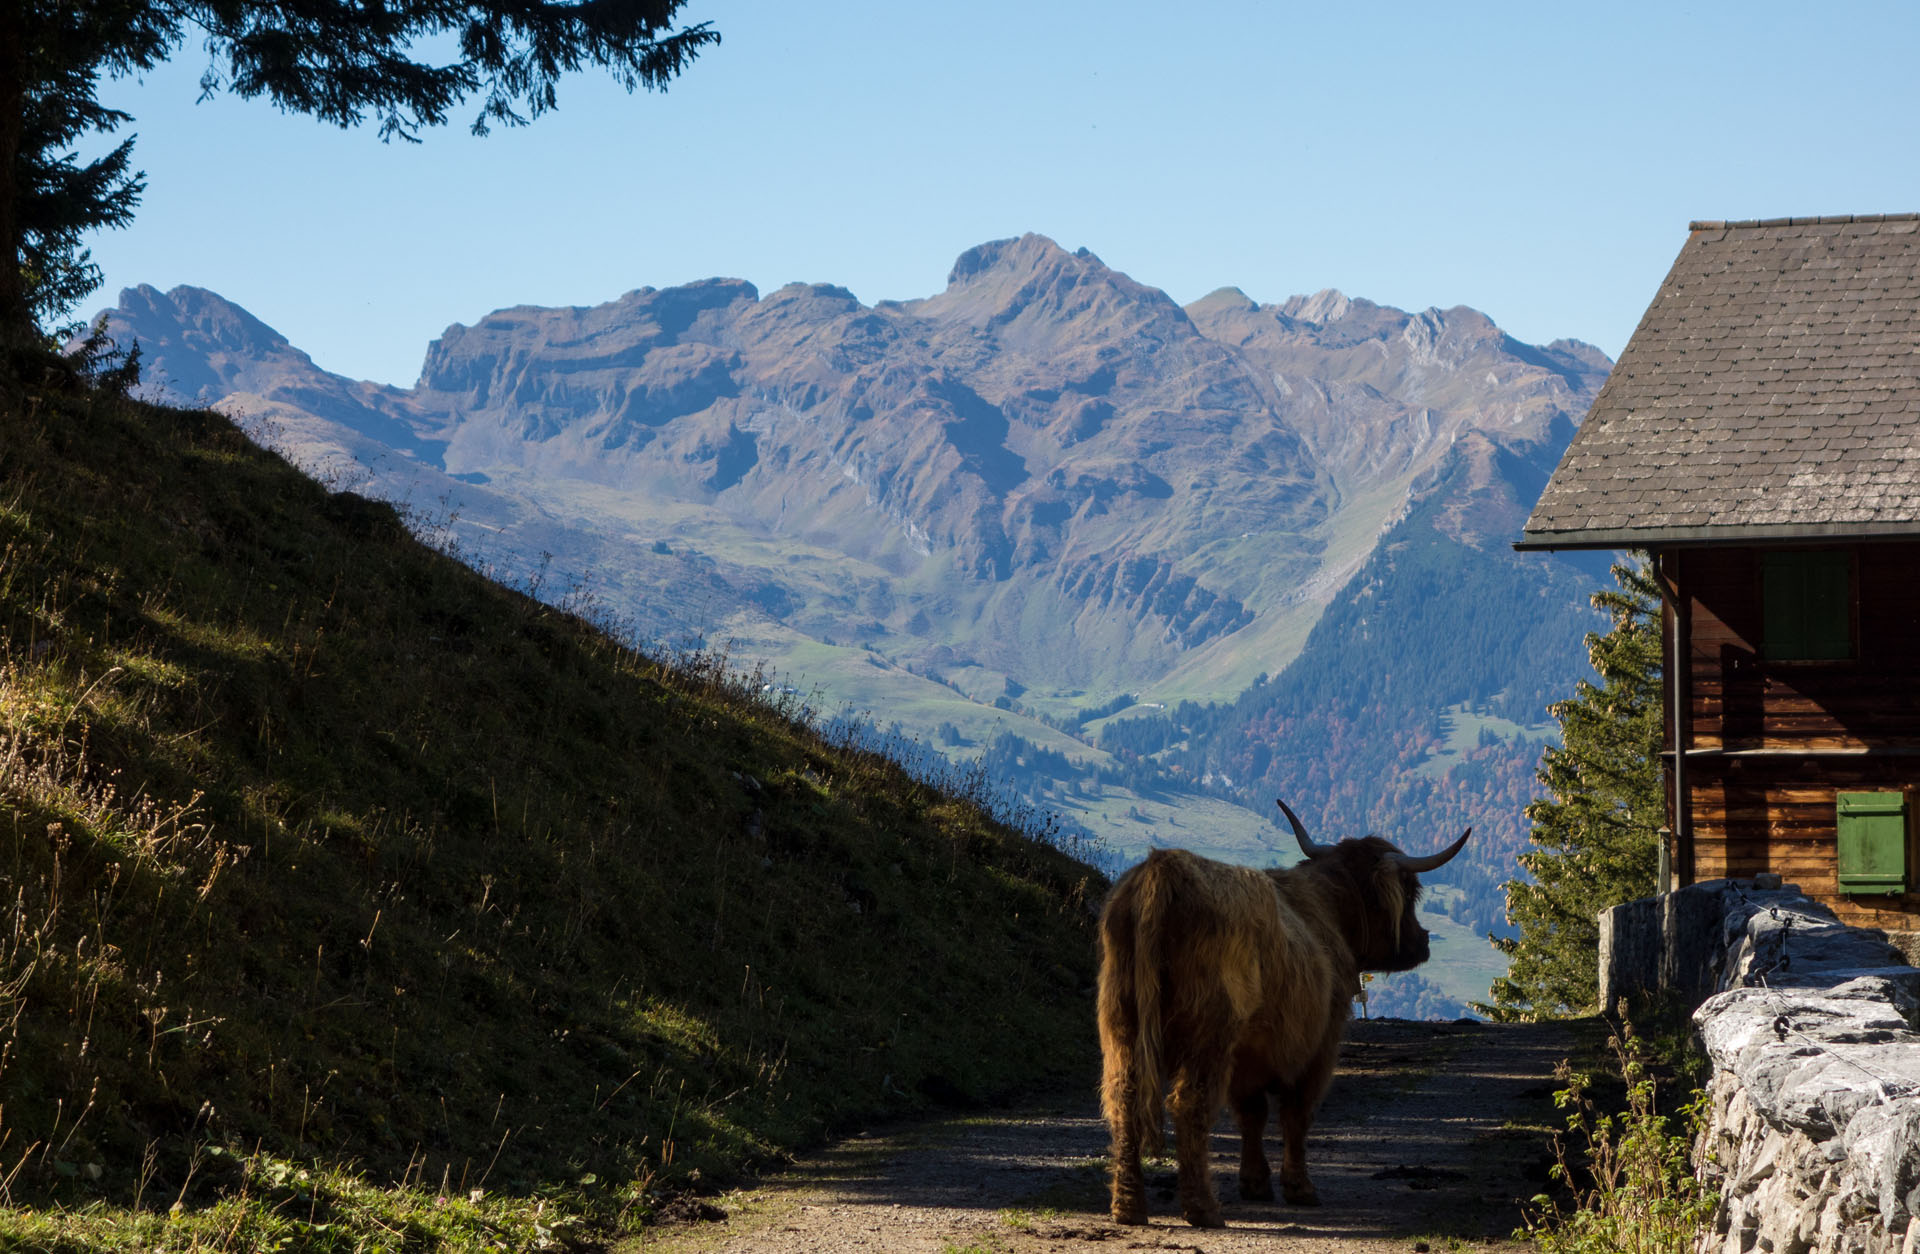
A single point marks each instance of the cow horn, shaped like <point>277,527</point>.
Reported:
<point>1308,845</point>
<point>1434,861</point>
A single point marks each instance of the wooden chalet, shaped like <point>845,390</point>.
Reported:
<point>1760,436</point>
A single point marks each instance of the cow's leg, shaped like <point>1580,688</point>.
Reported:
<point>1298,1102</point>
<point>1296,1116</point>
<point>1197,1096</point>
<point>1120,1100</point>
<point>1256,1178</point>
<point>1129,1186</point>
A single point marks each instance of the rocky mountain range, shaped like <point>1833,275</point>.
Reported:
<point>1040,502</point>
<point>1047,449</point>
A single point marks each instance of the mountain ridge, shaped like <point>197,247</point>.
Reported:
<point>1039,415</point>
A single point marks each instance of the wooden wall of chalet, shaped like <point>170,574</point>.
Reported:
<point>1773,742</point>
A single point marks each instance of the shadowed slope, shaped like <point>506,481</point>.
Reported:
<point>320,844</point>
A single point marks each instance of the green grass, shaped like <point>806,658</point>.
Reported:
<point>342,883</point>
<point>1624,1172</point>
<point>1131,825</point>
<point>1463,727</point>
<point>868,683</point>
<point>1464,964</point>
<point>1223,669</point>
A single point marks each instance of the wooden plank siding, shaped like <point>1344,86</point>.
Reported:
<point>1772,742</point>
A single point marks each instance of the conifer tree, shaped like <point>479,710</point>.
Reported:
<point>1595,835</point>
<point>405,64</point>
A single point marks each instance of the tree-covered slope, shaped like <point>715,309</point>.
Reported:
<point>324,852</point>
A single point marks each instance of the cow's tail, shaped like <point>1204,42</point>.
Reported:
<point>1133,1083</point>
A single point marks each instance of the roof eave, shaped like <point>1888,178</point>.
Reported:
<point>1701,537</point>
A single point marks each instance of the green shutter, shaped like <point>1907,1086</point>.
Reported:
<point>1872,841</point>
<point>1783,590</point>
<point>1830,605</point>
<point>1807,604</point>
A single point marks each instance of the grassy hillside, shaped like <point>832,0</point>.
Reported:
<point>353,901</point>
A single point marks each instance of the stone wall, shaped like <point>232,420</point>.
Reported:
<point>1813,1137</point>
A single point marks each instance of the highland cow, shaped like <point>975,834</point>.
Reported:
<point>1235,985</point>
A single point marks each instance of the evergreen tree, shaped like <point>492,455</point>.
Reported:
<point>1595,836</point>
<point>403,63</point>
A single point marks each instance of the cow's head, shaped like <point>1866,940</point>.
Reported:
<point>1377,911</point>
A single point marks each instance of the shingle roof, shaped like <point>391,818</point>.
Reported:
<point>1772,390</point>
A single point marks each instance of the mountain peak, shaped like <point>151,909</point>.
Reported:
<point>1329,304</point>
<point>828,295</point>
<point>146,311</point>
<point>1026,253</point>
<point>1031,291</point>
<point>197,345</point>
<point>1223,300</point>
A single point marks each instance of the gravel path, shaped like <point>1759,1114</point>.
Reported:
<point>1433,1135</point>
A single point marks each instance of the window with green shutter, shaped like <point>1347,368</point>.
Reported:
<point>1872,841</point>
<point>1807,598</point>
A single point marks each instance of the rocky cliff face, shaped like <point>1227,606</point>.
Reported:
<point>1038,420</point>
<point>1375,392</point>
<point>1046,443</point>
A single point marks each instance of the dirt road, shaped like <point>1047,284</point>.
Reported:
<point>1433,1133</point>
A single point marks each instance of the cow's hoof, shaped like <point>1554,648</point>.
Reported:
<point>1206,1219</point>
<point>1257,1190</point>
<point>1135,1215</point>
<point>1303,1194</point>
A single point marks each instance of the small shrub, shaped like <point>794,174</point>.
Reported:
<point>1630,1189</point>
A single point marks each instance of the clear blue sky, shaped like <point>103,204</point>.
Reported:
<point>1539,162</point>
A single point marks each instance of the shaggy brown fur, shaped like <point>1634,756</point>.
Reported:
<point>1232,984</point>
